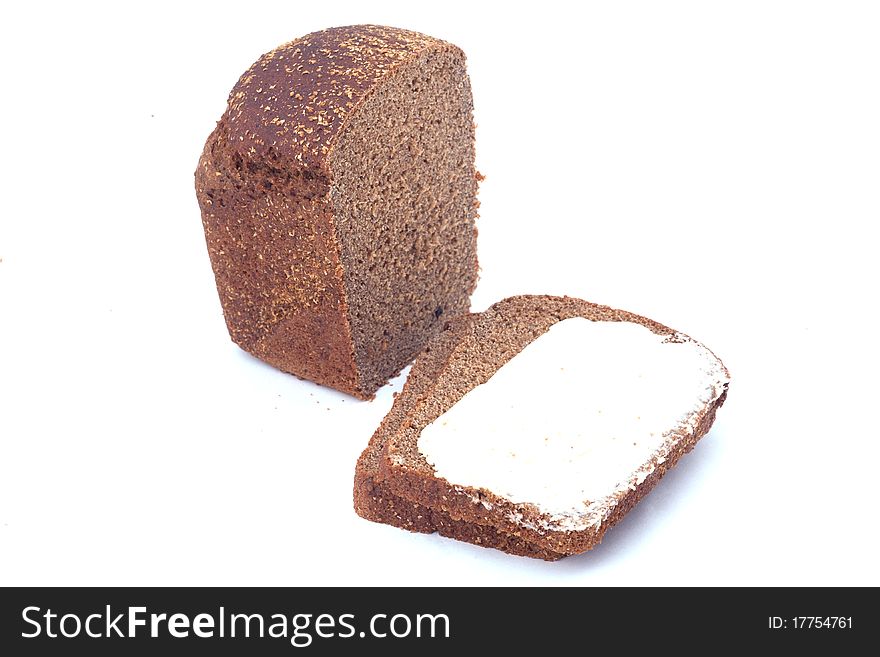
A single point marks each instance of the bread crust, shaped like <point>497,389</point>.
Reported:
<point>395,474</point>
<point>263,184</point>
<point>374,500</point>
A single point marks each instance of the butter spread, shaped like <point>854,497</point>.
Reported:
<point>583,413</point>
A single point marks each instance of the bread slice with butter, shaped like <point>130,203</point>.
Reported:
<point>536,425</point>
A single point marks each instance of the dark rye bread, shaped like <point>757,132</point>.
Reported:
<point>338,196</point>
<point>394,483</point>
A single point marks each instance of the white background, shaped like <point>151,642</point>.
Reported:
<point>714,166</point>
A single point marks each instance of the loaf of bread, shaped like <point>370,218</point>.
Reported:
<point>338,197</point>
<point>535,426</point>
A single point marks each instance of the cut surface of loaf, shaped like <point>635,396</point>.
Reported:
<point>538,467</point>
<point>338,198</point>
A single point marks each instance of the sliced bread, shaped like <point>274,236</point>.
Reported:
<point>547,480</point>
<point>338,196</point>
